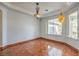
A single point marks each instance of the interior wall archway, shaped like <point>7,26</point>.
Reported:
<point>0,28</point>
<point>3,40</point>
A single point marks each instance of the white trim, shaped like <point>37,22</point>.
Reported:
<point>17,8</point>
<point>4,25</point>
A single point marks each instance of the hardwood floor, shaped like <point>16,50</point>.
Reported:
<point>37,47</point>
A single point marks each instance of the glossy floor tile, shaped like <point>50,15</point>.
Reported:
<point>39,47</point>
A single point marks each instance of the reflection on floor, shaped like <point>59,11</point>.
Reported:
<point>39,47</point>
<point>54,51</point>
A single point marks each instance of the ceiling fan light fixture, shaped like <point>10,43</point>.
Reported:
<point>37,14</point>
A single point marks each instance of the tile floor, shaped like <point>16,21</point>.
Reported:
<point>37,47</point>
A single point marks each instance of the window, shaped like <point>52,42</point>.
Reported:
<point>54,27</point>
<point>73,25</point>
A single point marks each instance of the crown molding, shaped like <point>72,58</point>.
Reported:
<point>17,8</point>
<point>56,12</point>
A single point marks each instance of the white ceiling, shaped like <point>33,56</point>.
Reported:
<point>29,7</point>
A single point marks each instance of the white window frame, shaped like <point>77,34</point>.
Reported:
<point>54,33</point>
<point>71,35</point>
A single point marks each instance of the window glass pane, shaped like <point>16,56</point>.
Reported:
<point>54,27</point>
<point>73,25</point>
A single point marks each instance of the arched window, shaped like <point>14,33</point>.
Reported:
<point>73,25</point>
<point>54,27</point>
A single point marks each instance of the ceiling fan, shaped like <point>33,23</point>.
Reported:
<point>61,17</point>
<point>37,11</point>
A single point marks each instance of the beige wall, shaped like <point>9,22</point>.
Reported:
<point>0,28</point>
